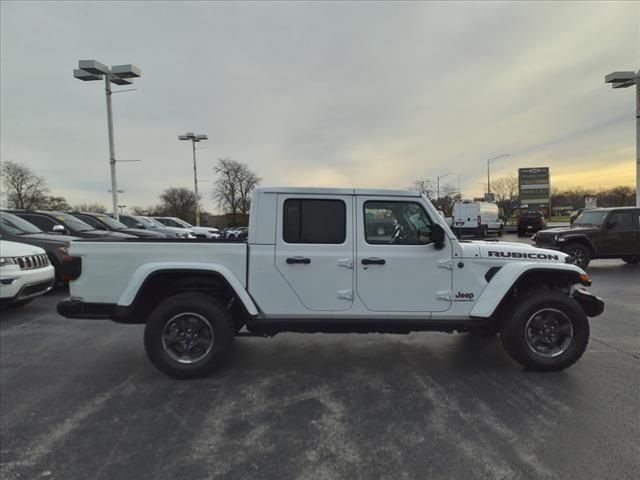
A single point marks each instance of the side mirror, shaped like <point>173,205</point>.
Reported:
<point>437,236</point>
<point>58,229</point>
<point>140,225</point>
<point>611,224</point>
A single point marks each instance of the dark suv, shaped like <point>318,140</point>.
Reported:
<point>531,221</point>
<point>597,233</point>
<point>66,224</point>
<point>102,221</point>
<point>18,230</point>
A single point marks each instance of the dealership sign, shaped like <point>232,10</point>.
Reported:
<point>534,185</point>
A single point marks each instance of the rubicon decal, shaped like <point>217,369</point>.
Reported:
<point>463,297</point>
<point>533,256</point>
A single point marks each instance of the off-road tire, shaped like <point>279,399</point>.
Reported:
<point>514,334</point>
<point>583,254</point>
<point>213,311</point>
<point>632,259</point>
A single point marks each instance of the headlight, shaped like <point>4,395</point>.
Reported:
<point>64,250</point>
<point>182,234</point>
<point>558,238</point>
<point>6,261</point>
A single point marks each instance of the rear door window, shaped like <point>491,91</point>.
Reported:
<point>314,221</point>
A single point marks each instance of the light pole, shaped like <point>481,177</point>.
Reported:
<point>194,139</point>
<point>89,70</point>
<point>489,160</point>
<point>624,80</point>
<point>438,182</point>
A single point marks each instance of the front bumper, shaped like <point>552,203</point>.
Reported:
<point>16,284</point>
<point>591,304</point>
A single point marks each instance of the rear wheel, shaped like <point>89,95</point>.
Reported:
<point>188,335</point>
<point>632,259</point>
<point>580,254</point>
<point>545,331</point>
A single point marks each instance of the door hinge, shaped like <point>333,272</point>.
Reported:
<point>345,294</point>
<point>346,262</point>
<point>444,295</point>
<point>445,264</point>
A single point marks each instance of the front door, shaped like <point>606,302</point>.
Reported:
<point>314,249</point>
<point>398,268</point>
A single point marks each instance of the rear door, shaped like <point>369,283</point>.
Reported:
<point>621,235</point>
<point>315,250</point>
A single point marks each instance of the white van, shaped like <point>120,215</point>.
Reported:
<point>476,218</point>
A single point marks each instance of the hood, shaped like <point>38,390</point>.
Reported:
<point>510,251</point>
<point>138,232</point>
<point>569,230</point>
<point>15,249</point>
<point>45,238</point>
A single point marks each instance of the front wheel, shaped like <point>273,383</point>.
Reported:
<point>632,259</point>
<point>581,255</point>
<point>188,335</point>
<point>501,231</point>
<point>545,331</point>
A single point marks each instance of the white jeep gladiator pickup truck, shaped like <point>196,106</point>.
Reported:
<point>332,260</point>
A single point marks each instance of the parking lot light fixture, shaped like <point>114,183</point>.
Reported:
<point>89,70</point>
<point>489,160</point>
<point>624,80</point>
<point>190,136</point>
<point>438,183</point>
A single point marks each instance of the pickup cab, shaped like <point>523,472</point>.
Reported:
<point>332,260</point>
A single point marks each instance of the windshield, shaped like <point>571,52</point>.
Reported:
<point>590,218</point>
<point>182,223</point>
<point>16,225</point>
<point>71,222</point>
<point>111,222</point>
<point>154,222</point>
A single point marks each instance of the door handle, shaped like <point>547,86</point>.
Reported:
<point>292,260</point>
<point>373,261</point>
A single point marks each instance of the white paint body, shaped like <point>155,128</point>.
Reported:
<point>416,282</point>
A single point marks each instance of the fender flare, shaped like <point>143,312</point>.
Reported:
<point>580,238</point>
<point>503,281</point>
<point>145,271</point>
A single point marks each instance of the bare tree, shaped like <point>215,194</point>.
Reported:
<point>24,189</point>
<point>233,186</point>
<point>425,187</point>
<point>178,202</point>
<point>90,207</point>
<point>505,190</point>
<point>52,203</point>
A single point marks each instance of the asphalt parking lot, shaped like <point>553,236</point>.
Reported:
<point>80,400</point>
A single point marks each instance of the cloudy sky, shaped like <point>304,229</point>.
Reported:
<point>323,94</point>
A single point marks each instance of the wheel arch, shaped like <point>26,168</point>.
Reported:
<point>150,284</point>
<point>514,279</point>
<point>581,239</point>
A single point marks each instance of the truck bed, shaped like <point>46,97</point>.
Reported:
<point>111,269</point>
